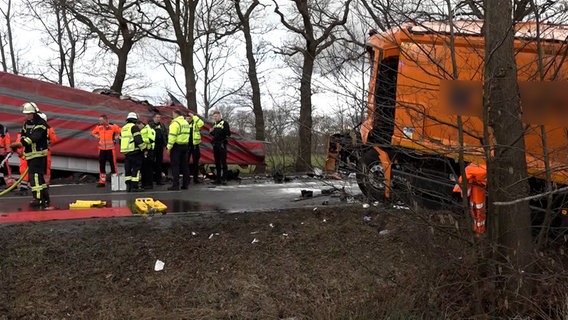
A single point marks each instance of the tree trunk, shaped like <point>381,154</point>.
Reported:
<point>120,75</point>
<point>509,226</point>
<point>254,83</point>
<point>304,159</point>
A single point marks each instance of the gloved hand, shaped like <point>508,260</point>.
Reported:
<point>15,145</point>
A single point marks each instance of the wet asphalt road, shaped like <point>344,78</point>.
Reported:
<point>202,198</point>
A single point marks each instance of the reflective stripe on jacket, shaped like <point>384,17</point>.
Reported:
<point>196,124</point>
<point>34,138</point>
<point>149,137</point>
<point>106,135</point>
<point>179,132</point>
<point>128,139</point>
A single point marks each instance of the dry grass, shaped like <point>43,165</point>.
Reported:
<point>323,264</point>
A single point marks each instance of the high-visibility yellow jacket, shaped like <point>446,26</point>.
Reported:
<point>131,139</point>
<point>196,124</point>
<point>179,132</point>
<point>149,137</point>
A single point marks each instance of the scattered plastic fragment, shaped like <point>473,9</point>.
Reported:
<point>193,233</point>
<point>384,232</point>
<point>324,220</point>
<point>271,225</point>
<point>315,208</point>
<point>367,218</point>
<point>375,204</point>
<point>254,232</point>
<point>211,236</point>
<point>159,266</point>
<point>366,205</point>
<point>285,234</point>
<point>255,240</point>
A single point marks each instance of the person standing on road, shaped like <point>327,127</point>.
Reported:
<point>159,146</point>
<point>177,148</point>
<point>34,140</point>
<point>220,133</point>
<point>195,124</point>
<point>108,134</point>
<point>132,145</point>
<point>149,138</point>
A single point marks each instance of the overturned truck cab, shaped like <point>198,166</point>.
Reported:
<point>425,112</point>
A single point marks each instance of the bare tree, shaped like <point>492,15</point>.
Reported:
<point>244,18</point>
<point>182,18</point>
<point>118,24</point>
<point>8,39</point>
<point>63,31</point>
<point>316,27</point>
<point>507,169</point>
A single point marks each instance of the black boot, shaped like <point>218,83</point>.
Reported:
<point>128,186</point>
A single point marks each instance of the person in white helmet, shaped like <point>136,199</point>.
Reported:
<point>35,142</point>
<point>132,145</point>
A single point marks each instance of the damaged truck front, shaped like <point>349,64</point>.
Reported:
<point>407,149</point>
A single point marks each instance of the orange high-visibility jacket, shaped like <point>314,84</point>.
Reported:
<point>106,135</point>
<point>4,144</point>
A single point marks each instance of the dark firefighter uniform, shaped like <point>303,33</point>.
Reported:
<point>34,141</point>
<point>132,146</point>
<point>220,133</point>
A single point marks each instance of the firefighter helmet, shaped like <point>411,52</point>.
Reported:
<point>132,115</point>
<point>30,107</point>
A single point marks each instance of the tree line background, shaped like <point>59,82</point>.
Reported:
<point>298,65</point>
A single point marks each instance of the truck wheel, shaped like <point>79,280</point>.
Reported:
<point>370,176</point>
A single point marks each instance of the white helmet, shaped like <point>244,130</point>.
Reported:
<point>132,115</point>
<point>43,116</point>
<point>29,107</point>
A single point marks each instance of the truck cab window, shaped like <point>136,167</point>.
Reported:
<point>385,95</point>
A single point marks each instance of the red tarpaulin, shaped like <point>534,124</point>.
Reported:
<point>73,114</point>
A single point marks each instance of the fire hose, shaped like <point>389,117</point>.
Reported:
<point>2,164</point>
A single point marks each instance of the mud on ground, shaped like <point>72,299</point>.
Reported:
<point>344,262</point>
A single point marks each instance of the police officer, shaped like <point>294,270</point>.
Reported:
<point>132,145</point>
<point>34,141</point>
<point>159,146</point>
<point>195,124</point>
<point>149,138</point>
<point>177,148</point>
<point>220,132</point>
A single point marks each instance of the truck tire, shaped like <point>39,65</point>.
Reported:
<point>370,176</point>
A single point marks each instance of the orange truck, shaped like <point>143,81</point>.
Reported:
<point>422,78</point>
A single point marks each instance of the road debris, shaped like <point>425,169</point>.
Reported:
<point>255,240</point>
<point>159,265</point>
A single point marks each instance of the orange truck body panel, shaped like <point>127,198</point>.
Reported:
<point>426,120</point>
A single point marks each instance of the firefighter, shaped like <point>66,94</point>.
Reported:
<point>108,134</point>
<point>51,138</point>
<point>220,132</point>
<point>149,138</point>
<point>177,149</point>
<point>132,146</point>
<point>476,175</point>
<point>195,124</point>
<point>159,146</point>
<point>35,142</point>
<point>5,172</point>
